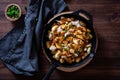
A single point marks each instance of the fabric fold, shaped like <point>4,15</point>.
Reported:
<point>19,49</point>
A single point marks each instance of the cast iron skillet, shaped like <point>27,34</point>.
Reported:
<point>88,21</point>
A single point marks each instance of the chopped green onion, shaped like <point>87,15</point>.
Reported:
<point>66,30</point>
<point>74,36</point>
<point>65,49</point>
<point>13,12</point>
<point>65,37</point>
<point>78,52</point>
<point>88,33</point>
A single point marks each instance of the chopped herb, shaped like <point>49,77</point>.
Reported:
<point>13,12</point>
<point>65,49</point>
<point>66,30</point>
<point>74,36</point>
<point>65,38</point>
<point>78,52</point>
<point>88,33</point>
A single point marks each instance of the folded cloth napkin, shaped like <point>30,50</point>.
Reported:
<point>20,47</point>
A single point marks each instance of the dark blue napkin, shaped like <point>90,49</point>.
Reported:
<point>19,49</point>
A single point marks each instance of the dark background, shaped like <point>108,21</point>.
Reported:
<point>106,21</point>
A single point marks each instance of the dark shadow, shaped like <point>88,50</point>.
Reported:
<point>19,22</point>
<point>67,1</point>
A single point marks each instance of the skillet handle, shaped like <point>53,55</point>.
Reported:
<point>51,69</point>
<point>85,15</point>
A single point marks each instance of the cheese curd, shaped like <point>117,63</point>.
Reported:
<point>69,40</point>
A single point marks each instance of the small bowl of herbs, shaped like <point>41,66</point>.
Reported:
<point>13,12</point>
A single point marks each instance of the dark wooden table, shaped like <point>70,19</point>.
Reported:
<point>106,63</point>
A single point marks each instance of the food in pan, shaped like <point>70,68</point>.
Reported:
<point>69,40</point>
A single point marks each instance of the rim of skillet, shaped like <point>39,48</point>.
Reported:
<point>47,51</point>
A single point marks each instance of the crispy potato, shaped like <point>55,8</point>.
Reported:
<point>62,60</point>
<point>78,59</point>
<point>57,45</point>
<point>69,40</point>
<point>54,28</point>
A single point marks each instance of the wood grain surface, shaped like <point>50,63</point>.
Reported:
<point>106,63</point>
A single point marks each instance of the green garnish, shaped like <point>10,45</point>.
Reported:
<point>65,37</point>
<point>74,36</point>
<point>66,30</point>
<point>78,52</point>
<point>88,33</point>
<point>65,49</point>
<point>13,11</point>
